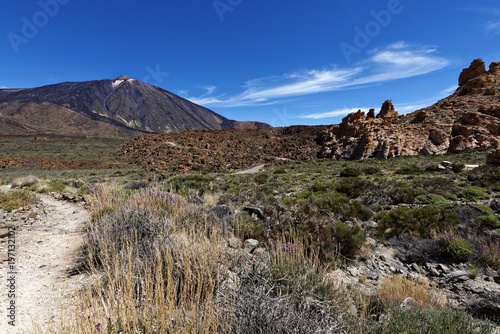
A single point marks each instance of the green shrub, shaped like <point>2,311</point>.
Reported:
<point>409,170</point>
<point>57,185</point>
<point>261,178</point>
<point>279,171</point>
<point>318,187</point>
<point>247,228</point>
<point>350,172</point>
<point>340,205</point>
<point>490,221</point>
<point>353,186</point>
<point>183,184</point>
<point>349,239</point>
<point>405,194</point>
<point>485,176</point>
<point>418,321</point>
<point>372,170</point>
<point>430,199</point>
<point>458,249</point>
<point>328,240</point>
<point>457,167</point>
<point>473,194</point>
<point>15,199</point>
<point>423,222</point>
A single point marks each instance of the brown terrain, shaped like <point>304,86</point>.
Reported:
<point>469,118</point>
<point>221,150</point>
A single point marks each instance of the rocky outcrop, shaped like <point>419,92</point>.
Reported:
<point>476,69</point>
<point>469,118</point>
<point>387,111</point>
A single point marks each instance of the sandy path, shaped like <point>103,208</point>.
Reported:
<point>253,170</point>
<point>46,248</point>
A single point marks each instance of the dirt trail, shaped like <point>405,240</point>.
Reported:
<point>253,170</point>
<point>47,247</point>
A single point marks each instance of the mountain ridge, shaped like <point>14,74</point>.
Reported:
<point>121,107</point>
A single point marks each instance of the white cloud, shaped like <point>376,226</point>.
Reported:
<point>493,27</point>
<point>401,108</point>
<point>209,89</point>
<point>397,61</point>
<point>448,90</point>
<point>333,113</point>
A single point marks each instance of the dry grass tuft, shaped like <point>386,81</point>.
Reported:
<point>16,199</point>
<point>393,290</point>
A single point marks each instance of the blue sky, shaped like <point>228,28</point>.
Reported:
<point>280,62</point>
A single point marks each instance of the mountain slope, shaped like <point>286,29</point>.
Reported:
<point>123,107</point>
<point>469,118</point>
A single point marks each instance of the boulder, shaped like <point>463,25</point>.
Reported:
<point>476,68</point>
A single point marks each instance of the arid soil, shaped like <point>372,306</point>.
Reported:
<point>48,238</point>
<point>227,150</point>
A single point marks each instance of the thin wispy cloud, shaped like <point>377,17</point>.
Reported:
<point>493,27</point>
<point>401,108</point>
<point>397,61</point>
<point>448,91</point>
<point>333,113</point>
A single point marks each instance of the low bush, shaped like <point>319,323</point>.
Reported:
<point>350,172</point>
<point>457,167</point>
<point>473,194</point>
<point>424,222</point>
<point>57,185</point>
<point>372,170</point>
<point>349,239</point>
<point>353,187</point>
<point>487,222</point>
<point>418,321</point>
<point>409,170</point>
<point>405,193</point>
<point>261,178</point>
<point>136,184</point>
<point>486,177</point>
<point>247,228</point>
<point>159,259</point>
<point>432,199</point>
<point>456,248</point>
<point>488,252</point>
<point>16,199</point>
<point>25,182</point>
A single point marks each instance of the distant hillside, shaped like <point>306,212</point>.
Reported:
<point>123,107</point>
<point>469,118</point>
<point>221,150</point>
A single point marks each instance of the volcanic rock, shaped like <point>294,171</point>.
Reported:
<point>468,119</point>
<point>123,107</point>
<point>476,69</point>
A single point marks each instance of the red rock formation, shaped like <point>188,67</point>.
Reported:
<point>469,118</point>
<point>476,69</point>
